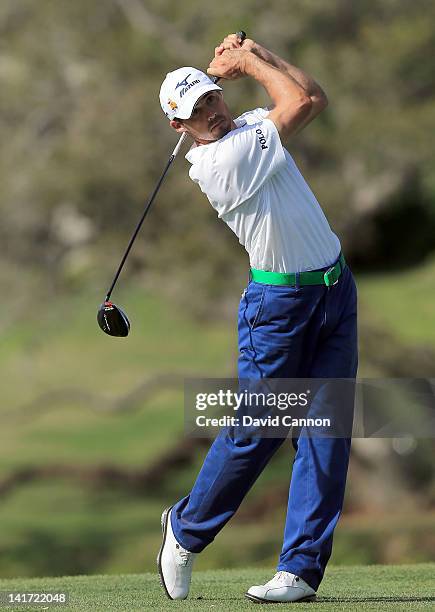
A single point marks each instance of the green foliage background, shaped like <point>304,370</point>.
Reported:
<point>83,143</point>
<point>86,138</point>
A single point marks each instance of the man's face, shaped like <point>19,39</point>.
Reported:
<point>209,121</point>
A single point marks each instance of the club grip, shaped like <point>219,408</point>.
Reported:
<point>241,36</point>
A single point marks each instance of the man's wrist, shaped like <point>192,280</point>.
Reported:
<point>249,61</point>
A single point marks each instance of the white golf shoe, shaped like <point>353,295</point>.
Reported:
<point>284,587</point>
<point>174,562</point>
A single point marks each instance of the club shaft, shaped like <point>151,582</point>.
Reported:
<point>145,212</point>
<point>215,79</point>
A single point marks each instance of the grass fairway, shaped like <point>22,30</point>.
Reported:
<point>375,587</point>
<point>69,398</point>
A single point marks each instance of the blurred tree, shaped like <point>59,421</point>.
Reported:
<point>84,131</point>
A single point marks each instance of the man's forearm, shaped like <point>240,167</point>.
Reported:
<point>296,97</point>
<point>308,83</point>
<point>292,104</point>
<point>279,84</point>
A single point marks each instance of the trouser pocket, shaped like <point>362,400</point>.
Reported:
<point>252,304</point>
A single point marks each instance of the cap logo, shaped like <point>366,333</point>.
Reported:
<point>188,86</point>
<point>172,104</point>
<point>183,83</point>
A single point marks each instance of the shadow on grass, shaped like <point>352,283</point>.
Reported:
<point>379,599</point>
<point>321,600</point>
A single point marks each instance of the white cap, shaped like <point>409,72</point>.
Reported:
<point>181,89</point>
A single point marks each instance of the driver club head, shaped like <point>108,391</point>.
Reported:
<point>112,320</point>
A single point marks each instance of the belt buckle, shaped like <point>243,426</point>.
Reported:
<point>331,276</point>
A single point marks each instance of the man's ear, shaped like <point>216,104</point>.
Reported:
<point>178,126</point>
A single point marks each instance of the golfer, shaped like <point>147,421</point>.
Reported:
<point>297,316</point>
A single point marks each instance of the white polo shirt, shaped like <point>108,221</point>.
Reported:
<point>256,188</point>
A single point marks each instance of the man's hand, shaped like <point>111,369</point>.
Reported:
<point>229,64</point>
<point>232,65</point>
<point>232,42</point>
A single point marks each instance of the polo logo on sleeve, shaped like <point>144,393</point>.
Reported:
<point>261,139</point>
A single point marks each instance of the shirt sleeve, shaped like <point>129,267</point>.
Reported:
<point>241,163</point>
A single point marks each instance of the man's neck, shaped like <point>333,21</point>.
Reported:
<point>200,141</point>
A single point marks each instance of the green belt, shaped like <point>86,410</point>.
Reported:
<point>313,277</point>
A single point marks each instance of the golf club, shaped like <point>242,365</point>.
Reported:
<point>112,319</point>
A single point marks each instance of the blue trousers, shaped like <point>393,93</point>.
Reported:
<point>284,332</point>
